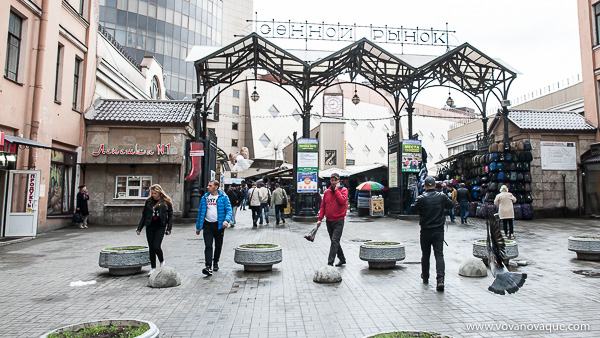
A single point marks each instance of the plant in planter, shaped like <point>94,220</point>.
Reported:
<point>586,247</point>
<point>125,260</point>
<point>258,257</point>
<point>407,334</point>
<point>107,328</point>
<point>382,255</point>
<point>480,250</point>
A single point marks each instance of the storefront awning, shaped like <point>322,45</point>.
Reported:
<point>25,142</point>
<point>455,156</point>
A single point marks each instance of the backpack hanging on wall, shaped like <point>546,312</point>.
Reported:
<point>527,145</point>
<point>520,146</point>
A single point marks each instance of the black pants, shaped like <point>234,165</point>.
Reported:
<point>433,237</point>
<point>335,229</point>
<point>255,213</point>
<point>212,232</point>
<point>155,236</point>
<point>508,225</point>
<point>279,212</point>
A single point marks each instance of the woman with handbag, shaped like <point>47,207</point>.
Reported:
<point>157,217</point>
<point>82,205</point>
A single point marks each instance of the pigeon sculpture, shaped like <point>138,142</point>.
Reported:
<point>504,281</point>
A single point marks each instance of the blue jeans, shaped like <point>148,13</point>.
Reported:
<point>279,210</point>
<point>233,212</point>
<point>452,214</point>
<point>264,207</point>
<point>464,211</point>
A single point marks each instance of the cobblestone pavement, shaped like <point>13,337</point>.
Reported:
<point>285,302</point>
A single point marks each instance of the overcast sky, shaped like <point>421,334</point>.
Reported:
<point>539,38</point>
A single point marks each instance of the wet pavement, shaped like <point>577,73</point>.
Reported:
<point>285,302</point>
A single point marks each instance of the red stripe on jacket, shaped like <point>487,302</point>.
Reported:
<point>334,204</point>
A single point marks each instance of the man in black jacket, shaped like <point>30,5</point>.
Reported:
<point>463,197</point>
<point>430,206</point>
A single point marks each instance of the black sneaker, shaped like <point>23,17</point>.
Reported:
<point>216,266</point>
<point>207,271</point>
<point>340,263</point>
<point>440,285</point>
<point>283,219</point>
<point>425,279</point>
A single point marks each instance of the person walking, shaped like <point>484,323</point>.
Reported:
<point>333,208</point>
<point>82,205</point>
<point>504,200</point>
<point>244,199</point>
<point>214,215</point>
<point>430,205</point>
<point>233,196</point>
<point>280,202</point>
<point>265,201</point>
<point>463,197</point>
<point>254,195</point>
<point>157,217</point>
<point>452,195</point>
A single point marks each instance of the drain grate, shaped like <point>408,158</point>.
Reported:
<point>360,240</point>
<point>588,273</point>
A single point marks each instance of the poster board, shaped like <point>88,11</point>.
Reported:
<point>308,165</point>
<point>558,155</point>
<point>393,169</point>
<point>411,156</point>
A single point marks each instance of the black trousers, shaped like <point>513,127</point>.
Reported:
<point>255,213</point>
<point>212,232</point>
<point>335,229</point>
<point>279,212</point>
<point>155,236</point>
<point>433,237</point>
<point>508,226</point>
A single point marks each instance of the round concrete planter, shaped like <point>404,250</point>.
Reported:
<point>152,332</point>
<point>382,255</point>
<point>586,247</point>
<point>408,334</point>
<point>258,257</point>
<point>480,250</point>
<point>122,261</point>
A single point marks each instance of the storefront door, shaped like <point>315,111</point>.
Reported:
<point>22,203</point>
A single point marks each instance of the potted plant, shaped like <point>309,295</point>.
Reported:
<point>382,255</point>
<point>586,247</point>
<point>480,250</point>
<point>124,260</point>
<point>258,257</point>
<point>107,328</point>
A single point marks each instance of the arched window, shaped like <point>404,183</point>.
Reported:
<point>155,88</point>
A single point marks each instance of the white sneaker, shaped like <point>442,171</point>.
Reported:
<point>162,264</point>
<point>151,271</point>
<point>81,226</point>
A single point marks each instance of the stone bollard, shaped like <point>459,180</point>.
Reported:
<point>472,267</point>
<point>327,274</point>
<point>164,277</point>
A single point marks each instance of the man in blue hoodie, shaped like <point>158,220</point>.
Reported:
<point>214,215</point>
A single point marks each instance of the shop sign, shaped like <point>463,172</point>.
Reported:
<point>8,147</point>
<point>161,149</point>
<point>31,193</point>
<point>411,156</point>
<point>1,138</point>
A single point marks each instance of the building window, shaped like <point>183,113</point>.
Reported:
<point>13,47</point>
<point>58,75</point>
<point>234,126</point>
<point>370,126</point>
<point>133,187</point>
<point>381,151</point>
<point>236,93</point>
<point>274,111</point>
<point>62,176</point>
<point>366,150</point>
<point>596,22</point>
<point>350,162</point>
<point>265,140</point>
<point>349,148</point>
<point>236,110</point>
<point>296,115</point>
<point>234,142</point>
<point>81,7</point>
<point>76,83</point>
<point>354,124</point>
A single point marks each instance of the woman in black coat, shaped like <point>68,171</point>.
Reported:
<point>82,205</point>
<point>157,217</point>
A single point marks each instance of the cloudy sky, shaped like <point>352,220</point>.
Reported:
<point>539,38</point>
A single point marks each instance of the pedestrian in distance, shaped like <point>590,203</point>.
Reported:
<point>214,215</point>
<point>233,196</point>
<point>280,202</point>
<point>333,209</point>
<point>244,200</point>
<point>157,217</point>
<point>82,205</point>
<point>504,200</point>
<point>254,195</point>
<point>430,206</point>
<point>463,197</point>
<point>452,196</point>
<point>265,201</point>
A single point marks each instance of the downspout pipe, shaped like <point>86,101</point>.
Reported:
<point>39,80</point>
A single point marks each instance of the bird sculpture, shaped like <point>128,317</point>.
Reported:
<point>504,281</point>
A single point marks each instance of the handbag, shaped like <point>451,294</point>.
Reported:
<point>311,235</point>
<point>77,217</point>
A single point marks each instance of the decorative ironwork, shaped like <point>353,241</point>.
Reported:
<point>484,142</point>
<point>118,46</point>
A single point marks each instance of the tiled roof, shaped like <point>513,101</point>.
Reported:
<point>142,111</point>
<point>549,120</point>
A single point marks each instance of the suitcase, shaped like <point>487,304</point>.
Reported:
<point>472,208</point>
<point>518,211</point>
<point>491,209</point>
<point>479,211</point>
<point>527,211</point>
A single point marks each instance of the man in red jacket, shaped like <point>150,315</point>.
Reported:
<point>333,208</point>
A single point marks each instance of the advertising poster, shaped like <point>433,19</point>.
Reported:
<point>308,165</point>
<point>411,156</point>
<point>393,170</point>
<point>377,206</point>
<point>558,155</point>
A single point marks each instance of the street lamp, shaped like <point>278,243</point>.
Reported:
<point>355,98</point>
<point>254,96</point>
<point>449,101</point>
